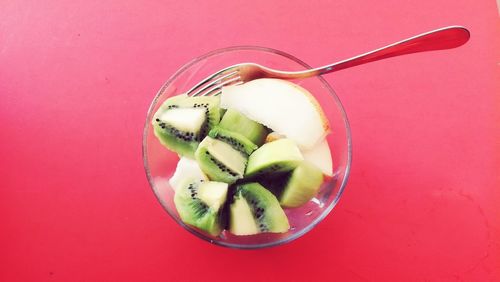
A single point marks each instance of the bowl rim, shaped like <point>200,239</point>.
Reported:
<point>311,225</point>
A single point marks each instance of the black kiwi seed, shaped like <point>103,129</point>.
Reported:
<point>189,136</point>
<point>233,142</point>
<point>220,165</point>
<point>186,136</point>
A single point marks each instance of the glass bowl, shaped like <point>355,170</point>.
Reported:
<point>160,163</point>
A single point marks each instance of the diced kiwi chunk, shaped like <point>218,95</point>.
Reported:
<point>303,184</point>
<point>236,140</point>
<point>182,122</point>
<point>278,156</point>
<point>294,188</point>
<point>236,122</point>
<point>220,161</point>
<point>199,204</point>
<point>256,210</point>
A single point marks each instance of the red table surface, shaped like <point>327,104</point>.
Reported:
<point>77,78</point>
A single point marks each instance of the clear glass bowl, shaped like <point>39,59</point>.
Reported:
<point>160,163</point>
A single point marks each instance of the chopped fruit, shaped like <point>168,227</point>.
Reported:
<point>278,156</point>
<point>220,161</point>
<point>182,122</point>
<point>199,204</point>
<point>256,210</point>
<point>236,140</point>
<point>186,169</point>
<point>270,146</point>
<point>302,186</point>
<point>282,106</point>
<point>236,122</point>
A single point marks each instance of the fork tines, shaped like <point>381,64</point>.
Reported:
<point>212,85</point>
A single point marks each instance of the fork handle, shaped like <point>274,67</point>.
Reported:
<point>439,39</point>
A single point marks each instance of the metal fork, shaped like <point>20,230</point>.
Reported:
<point>439,39</point>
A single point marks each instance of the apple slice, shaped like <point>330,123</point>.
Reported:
<point>285,107</point>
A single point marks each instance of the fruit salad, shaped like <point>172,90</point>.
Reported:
<point>245,156</point>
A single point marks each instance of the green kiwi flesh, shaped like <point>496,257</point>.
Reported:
<point>199,204</point>
<point>220,161</point>
<point>236,122</point>
<point>236,140</point>
<point>256,210</point>
<point>182,122</point>
<point>294,188</point>
<point>302,185</point>
<point>278,156</point>
<point>268,178</point>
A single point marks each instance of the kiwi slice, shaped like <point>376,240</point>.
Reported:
<point>294,188</point>
<point>182,122</point>
<point>278,156</point>
<point>220,161</point>
<point>303,184</point>
<point>236,140</point>
<point>236,122</point>
<point>199,204</point>
<point>256,210</point>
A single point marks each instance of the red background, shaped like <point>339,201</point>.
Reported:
<point>76,80</point>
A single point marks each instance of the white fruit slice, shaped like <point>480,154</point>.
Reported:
<point>186,169</point>
<point>320,156</point>
<point>285,107</point>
